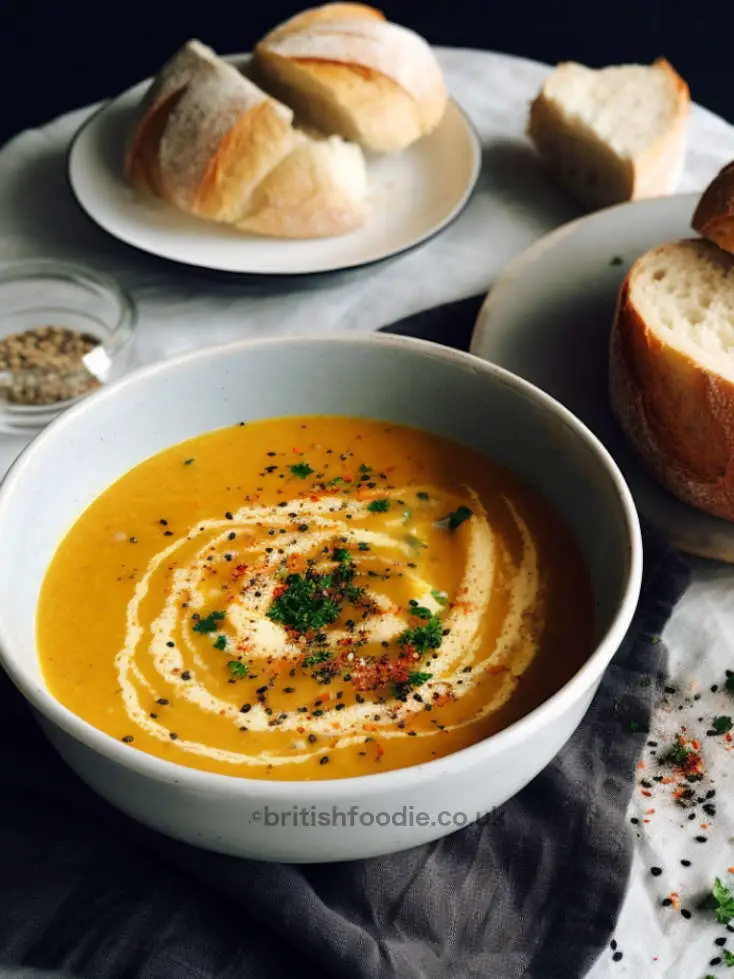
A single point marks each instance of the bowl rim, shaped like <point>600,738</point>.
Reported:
<point>165,771</point>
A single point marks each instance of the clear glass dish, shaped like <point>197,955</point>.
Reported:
<point>42,374</point>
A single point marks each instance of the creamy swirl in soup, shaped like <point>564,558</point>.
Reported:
<point>312,598</point>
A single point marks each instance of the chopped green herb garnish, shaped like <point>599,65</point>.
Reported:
<point>420,611</point>
<point>363,546</point>
<point>418,679</point>
<point>724,902</point>
<point>422,495</point>
<point>209,623</point>
<point>365,470</point>
<point>729,682</point>
<point>312,600</point>
<point>460,515</point>
<point>722,724</point>
<point>423,637</point>
<point>634,726</point>
<point>341,554</point>
<point>617,260</point>
<point>313,659</point>
<point>440,596</point>
<point>237,669</point>
<point>220,642</point>
<point>187,462</point>
<point>379,506</point>
<point>335,481</point>
<point>678,753</point>
<point>728,957</point>
<point>301,470</point>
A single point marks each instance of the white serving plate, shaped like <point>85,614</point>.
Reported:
<point>414,195</point>
<point>548,319</point>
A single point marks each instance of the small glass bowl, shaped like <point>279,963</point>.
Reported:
<point>40,294</point>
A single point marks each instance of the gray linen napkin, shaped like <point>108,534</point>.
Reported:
<point>533,891</point>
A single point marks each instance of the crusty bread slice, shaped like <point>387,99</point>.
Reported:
<point>212,143</point>
<point>359,77</point>
<point>612,134</point>
<point>714,216</point>
<point>671,370</point>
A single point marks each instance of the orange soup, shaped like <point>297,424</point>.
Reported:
<point>308,598</point>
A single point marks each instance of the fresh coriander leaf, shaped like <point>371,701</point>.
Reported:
<point>187,462</point>
<point>363,546</point>
<point>237,669</point>
<point>341,554</point>
<point>440,596</point>
<point>301,470</point>
<point>729,682</point>
<point>722,724</point>
<point>220,642</point>
<point>617,260</point>
<point>379,506</point>
<point>365,470</point>
<point>422,495</point>
<point>728,957</point>
<point>208,623</point>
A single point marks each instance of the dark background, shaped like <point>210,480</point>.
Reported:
<point>56,55</point>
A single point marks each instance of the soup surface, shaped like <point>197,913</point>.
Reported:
<point>308,598</point>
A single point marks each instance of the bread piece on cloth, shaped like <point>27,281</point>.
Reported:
<point>347,71</point>
<point>671,370</point>
<point>612,134</point>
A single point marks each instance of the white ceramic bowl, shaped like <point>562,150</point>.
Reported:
<point>398,379</point>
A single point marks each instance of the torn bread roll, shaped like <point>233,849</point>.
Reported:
<point>612,134</point>
<point>213,144</point>
<point>671,370</point>
<point>348,71</point>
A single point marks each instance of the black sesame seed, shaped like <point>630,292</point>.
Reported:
<point>228,516</point>
<point>133,540</point>
<point>666,902</point>
<point>186,675</point>
<point>656,871</point>
<point>613,945</point>
<point>721,941</point>
<point>245,709</point>
<point>716,960</point>
<point>128,739</point>
<point>173,736</point>
<point>617,957</point>
<point>701,839</point>
<point>685,863</point>
<point>162,701</point>
<point>686,913</point>
<point>324,760</point>
<point>170,644</point>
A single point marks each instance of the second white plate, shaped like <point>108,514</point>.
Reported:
<point>414,195</point>
<point>548,319</point>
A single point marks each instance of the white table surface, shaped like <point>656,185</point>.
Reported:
<point>514,204</point>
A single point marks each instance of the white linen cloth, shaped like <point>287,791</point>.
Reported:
<point>513,205</point>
